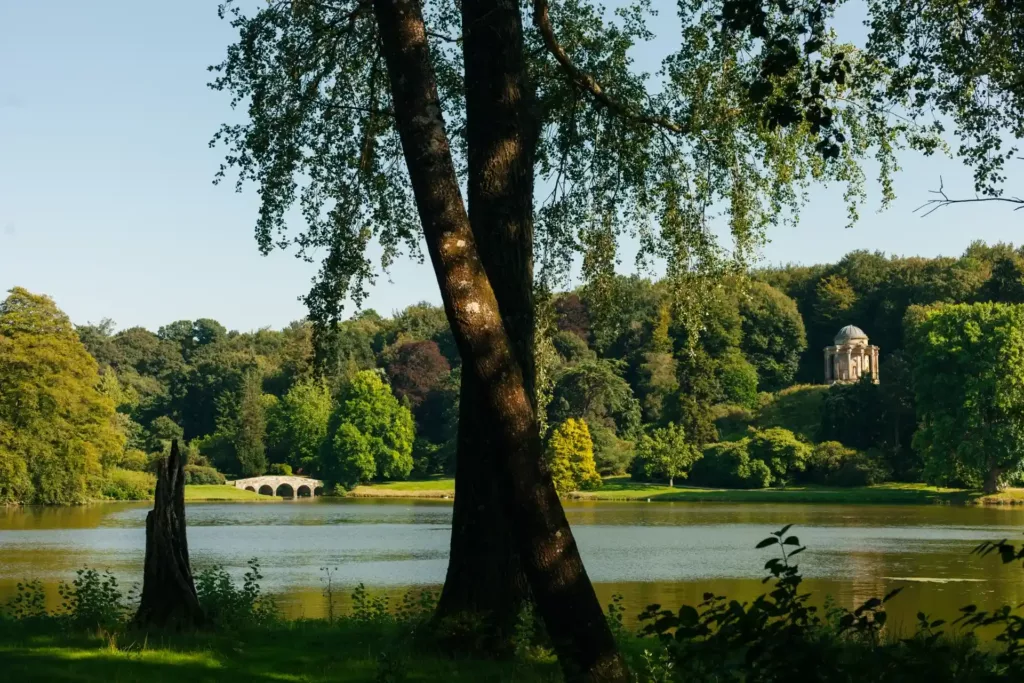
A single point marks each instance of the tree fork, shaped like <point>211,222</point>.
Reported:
<point>559,582</point>
<point>169,599</point>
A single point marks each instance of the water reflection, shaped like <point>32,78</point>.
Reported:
<point>666,553</point>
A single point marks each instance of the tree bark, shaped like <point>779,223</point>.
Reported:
<point>484,572</point>
<point>992,479</point>
<point>560,585</point>
<point>485,583</point>
<point>169,599</point>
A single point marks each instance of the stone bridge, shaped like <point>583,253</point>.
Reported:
<point>286,487</point>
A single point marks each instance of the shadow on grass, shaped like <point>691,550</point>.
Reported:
<point>300,651</point>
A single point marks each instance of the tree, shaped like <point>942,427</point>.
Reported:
<point>414,369</point>
<point>592,391</point>
<point>657,372</point>
<point>240,439</point>
<point>572,315</point>
<point>773,334</point>
<point>664,453</point>
<point>968,370</point>
<point>524,102</point>
<point>368,426</point>
<point>53,418</point>
<point>570,457</point>
<point>302,417</point>
<point>737,378</point>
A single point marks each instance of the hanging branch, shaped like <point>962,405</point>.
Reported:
<point>586,82</point>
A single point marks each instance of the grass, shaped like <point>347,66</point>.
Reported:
<point>622,488</point>
<point>433,487</point>
<point>310,651</point>
<point>216,492</point>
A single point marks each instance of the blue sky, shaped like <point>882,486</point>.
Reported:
<point>106,201</point>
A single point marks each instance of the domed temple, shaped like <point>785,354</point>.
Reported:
<point>851,357</point>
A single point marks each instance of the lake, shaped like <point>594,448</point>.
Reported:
<point>669,553</point>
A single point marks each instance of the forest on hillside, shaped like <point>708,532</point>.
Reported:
<point>628,384</point>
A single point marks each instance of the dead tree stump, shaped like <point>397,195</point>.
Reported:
<point>169,599</point>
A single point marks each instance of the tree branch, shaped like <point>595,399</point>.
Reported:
<point>933,205</point>
<point>587,83</point>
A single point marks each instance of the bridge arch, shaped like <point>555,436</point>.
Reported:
<point>292,486</point>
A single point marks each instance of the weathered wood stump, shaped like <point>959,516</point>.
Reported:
<point>169,599</point>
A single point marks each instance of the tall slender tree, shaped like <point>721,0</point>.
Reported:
<point>372,113</point>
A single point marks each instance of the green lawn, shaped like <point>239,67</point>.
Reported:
<point>213,492</point>
<point>434,487</point>
<point>623,488</point>
<point>310,651</point>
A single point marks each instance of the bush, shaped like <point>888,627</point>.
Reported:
<point>228,606</point>
<point>282,469</point>
<point>194,474</point>
<point>728,465</point>
<point>570,457</point>
<point>118,484</point>
<point>429,458</point>
<point>780,450</point>
<point>612,455</point>
<point>93,601</point>
<point>135,460</point>
<point>833,464</point>
<point>731,421</point>
<point>797,408</point>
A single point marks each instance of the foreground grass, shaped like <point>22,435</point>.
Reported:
<point>294,651</point>
<point>624,489</point>
<point>213,492</point>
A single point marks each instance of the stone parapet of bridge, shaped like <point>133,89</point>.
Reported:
<point>286,486</point>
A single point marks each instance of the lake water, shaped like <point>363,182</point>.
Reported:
<point>670,553</point>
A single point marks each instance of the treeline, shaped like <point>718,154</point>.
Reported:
<point>630,380</point>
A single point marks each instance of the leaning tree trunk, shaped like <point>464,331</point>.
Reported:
<point>169,599</point>
<point>485,585</point>
<point>485,575</point>
<point>564,595</point>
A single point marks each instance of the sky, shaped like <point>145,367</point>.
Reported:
<point>107,202</point>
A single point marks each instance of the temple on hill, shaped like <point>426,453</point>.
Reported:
<point>851,357</point>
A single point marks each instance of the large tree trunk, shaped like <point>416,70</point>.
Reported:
<point>484,573</point>
<point>560,585</point>
<point>485,585</point>
<point>992,478</point>
<point>169,599</point>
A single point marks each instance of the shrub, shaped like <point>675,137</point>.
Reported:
<point>194,474</point>
<point>93,600</point>
<point>780,450</point>
<point>280,468</point>
<point>731,420</point>
<point>118,484</point>
<point>612,455</point>
<point>570,457</point>
<point>135,460</point>
<point>728,465</point>
<point>797,408</point>
<point>834,464</point>
<point>227,605</point>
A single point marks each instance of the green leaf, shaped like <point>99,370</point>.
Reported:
<point>766,542</point>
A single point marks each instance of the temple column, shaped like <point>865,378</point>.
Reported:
<point>828,366</point>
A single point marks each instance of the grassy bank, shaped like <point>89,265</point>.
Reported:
<point>294,651</point>
<point>199,493</point>
<point>624,489</point>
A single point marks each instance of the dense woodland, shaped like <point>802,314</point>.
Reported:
<point>631,383</point>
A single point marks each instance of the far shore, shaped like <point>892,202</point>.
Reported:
<point>623,489</point>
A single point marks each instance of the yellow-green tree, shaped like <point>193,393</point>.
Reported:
<point>570,457</point>
<point>53,416</point>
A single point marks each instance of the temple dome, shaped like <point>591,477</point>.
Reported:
<point>849,334</point>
